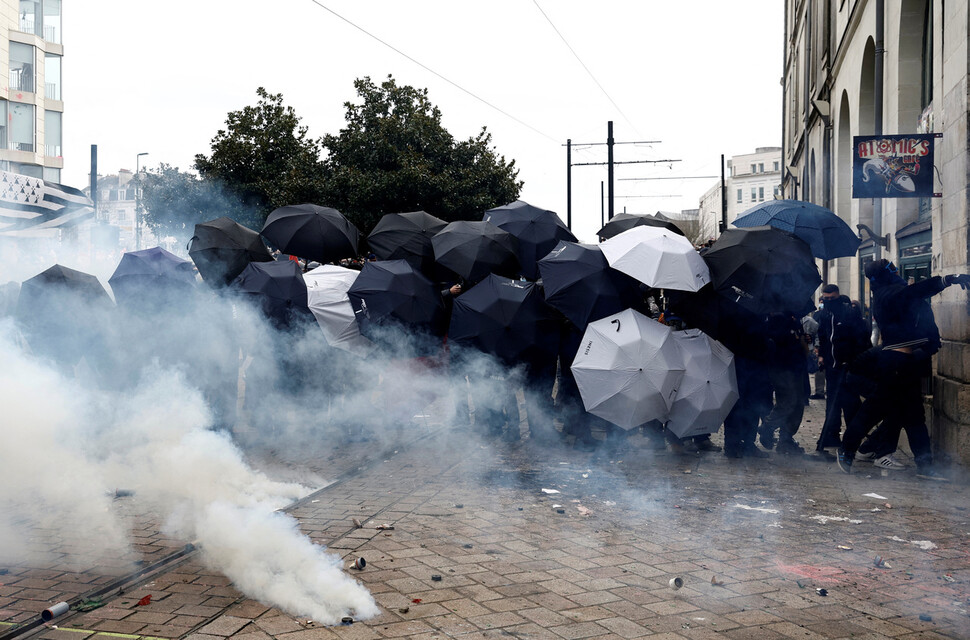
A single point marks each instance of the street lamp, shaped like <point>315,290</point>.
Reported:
<point>138,201</point>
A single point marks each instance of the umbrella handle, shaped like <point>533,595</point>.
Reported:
<point>617,322</point>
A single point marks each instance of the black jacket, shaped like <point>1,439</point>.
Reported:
<point>842,333</point>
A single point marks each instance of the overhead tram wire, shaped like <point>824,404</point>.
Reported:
<point>583,64</point>
<point>432,71</point>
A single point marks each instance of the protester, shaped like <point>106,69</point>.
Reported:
<point>910,338</point>
<point>843,335</point>
<point>788,374</point>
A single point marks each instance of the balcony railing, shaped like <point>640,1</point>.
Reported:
<point>52,150</point>
<point>52,91</point>
<point>20,81</point>
<point>27,25</point>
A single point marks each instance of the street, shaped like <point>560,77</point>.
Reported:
<point>468,538</point>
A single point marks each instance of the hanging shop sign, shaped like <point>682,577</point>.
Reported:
<point>899,166</point>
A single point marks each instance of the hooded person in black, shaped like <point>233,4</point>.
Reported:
<point>910,337</point>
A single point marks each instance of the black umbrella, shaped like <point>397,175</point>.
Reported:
<point>537,230</point>
<point>150,277</point>
<point>473,250</point>
<point>406,236</point>
<point>579,282</point>
<point>736,327</point>
<point>312,232</point>
<point>62,312</point>
<point>222,248</point>
<point>507,318</point>
<point>278,289</point>
<point>397,305</point>
<point>764,269</point>
<point>625,221</point>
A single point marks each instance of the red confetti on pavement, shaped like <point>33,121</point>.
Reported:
<point>146,600</point>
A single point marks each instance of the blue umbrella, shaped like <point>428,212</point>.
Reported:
<point>825,233</point>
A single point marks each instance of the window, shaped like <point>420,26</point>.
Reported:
<point>774,166</point>
<point>740,195</point>
<point>31,18</point>
<point>761,167</point>
<point>20,117</point>
<point>52,175</point>
<point>761,194</point>
<point>21,67</point>
<point>753,167</point>
<point>52,77</point>
<point>52,133</point>
<point>754,194</point>
<point>52,21</point>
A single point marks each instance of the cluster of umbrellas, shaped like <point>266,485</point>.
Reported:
<point>524,276</point>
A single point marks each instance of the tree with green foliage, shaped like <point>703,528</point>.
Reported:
<point>264,157</point>
<point>173,202</point>
<point>394,155</point>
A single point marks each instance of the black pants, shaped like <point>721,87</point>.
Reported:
<point>741,424</point>
<point>899,398</point>
<point>842,400</point>
<point>790,396</point>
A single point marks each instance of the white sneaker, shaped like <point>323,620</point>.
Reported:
<point>888,462</point>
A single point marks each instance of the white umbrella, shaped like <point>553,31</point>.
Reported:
<point>327,287</point>
<point>709,388</point>
<point>628,369</point>
<point>658,258</point>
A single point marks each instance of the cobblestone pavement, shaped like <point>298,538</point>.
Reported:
<point>546,542</point>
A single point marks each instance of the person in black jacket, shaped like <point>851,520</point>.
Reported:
<point>910,338</point>
<point>842,335</point>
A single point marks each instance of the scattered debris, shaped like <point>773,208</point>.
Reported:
<point>845,547</point>
<point>687,471</point>
<point>416,600</point>
<point>550,491</point>
<point>822,592</point>
<point>88,604</point>
<point>882,564</point>
<point>145,601</point>
<point>346,620</point>
<point>715,582</point>
<point>676,583</point>
<point>583,511</point>
<point>435,577</point>
<point>359,564</point>
<point>357,523</point>
<point>560,511</point>
<point>799,583</point>
<point>827,519</point>
<point>888,506</point>
<point>404,609</point>
<point>873,495</point>
<point>124,493</point>
<point>925,617</point>
<point>467,546</point>
<point>385,527</point>
<point>948,577</point>
<point>459,506</point>
<point>925,545</point>
<point>762,509</point>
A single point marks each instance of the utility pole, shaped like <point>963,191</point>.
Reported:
<point>609,169</point>
<point>569,184</point>
<point>723,197</point>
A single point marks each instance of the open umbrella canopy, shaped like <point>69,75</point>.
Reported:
<point>327,288</point>
<point>722,318</point>
<point>278,289</point>
<point>827,234</point>
<point>472,250</point>
<point>708,389</point>
<point>658,258</point>
<point>507,318</point>
<point>406,236</point>
<point>628,369</point>
<point>312,232</point>
<point>537,230</point>
<point>397,305</point>
<point>764,269</point>
<point>62,311</point>
<point>151,277</point>
<point>625,221</point>
<point>579,282</point>
<point>222,248</point>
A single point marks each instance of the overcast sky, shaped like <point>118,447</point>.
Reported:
<point>700,77</point>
